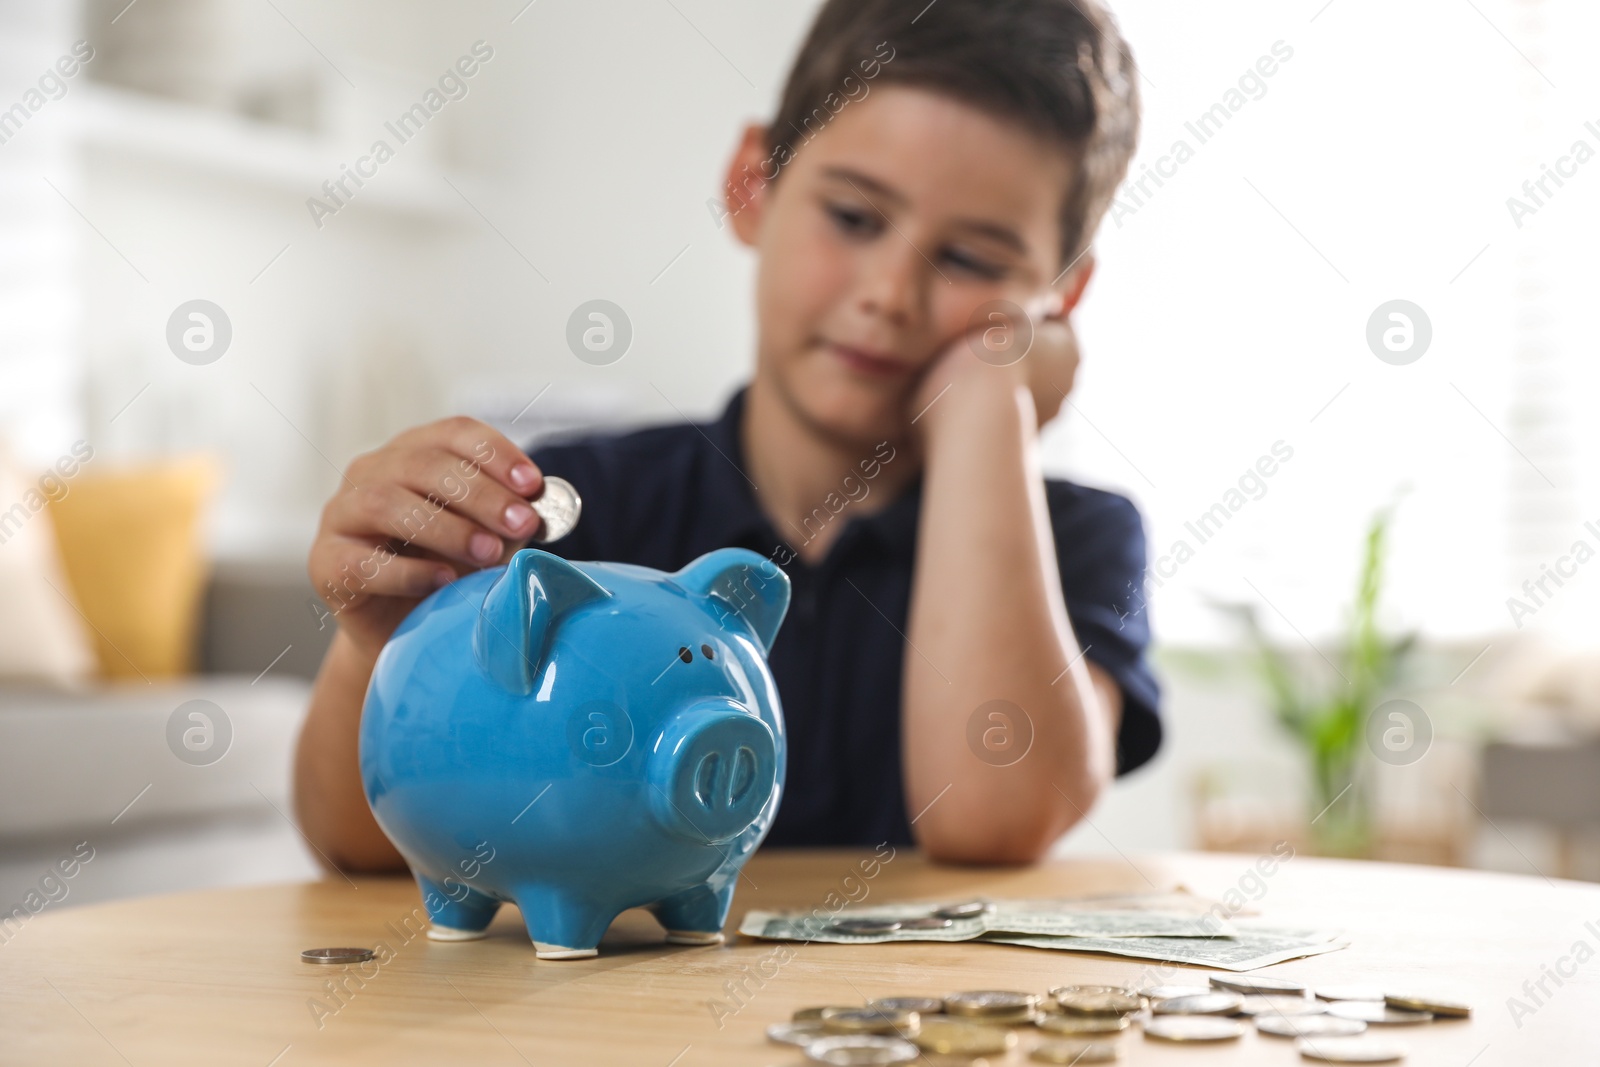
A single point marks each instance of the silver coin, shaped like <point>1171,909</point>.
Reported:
<point>1349,992</point>
<point>850,1050</point>
<point>1193,1028</point>
<point>1204,1004</point>
<point>1309,1026</point>
<point>1281,1004</point>
<point>920,1005</point>
<point>983,1002</point>
<point>1071,1052</point>
<point>1256,983</point>
<point>559,507</point>
<point>970,909</point>
<point>1349,1050</point>
<point>337,955</point>
<point>927,922</point>
<point>1167,992</point>
<point>800,1034</point>
<point>1378,1014</point>
<point>864,926</point>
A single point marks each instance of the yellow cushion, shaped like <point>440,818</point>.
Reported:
<point>131,543</point>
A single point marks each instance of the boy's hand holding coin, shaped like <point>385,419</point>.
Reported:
<point>436,502</point>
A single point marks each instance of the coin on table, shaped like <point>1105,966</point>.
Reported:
<point>1453,1009</point>
<point>920,1005</point>
<point>1280,1004</point>
<point>1309,1026</point>
<point>808,1015</point>
<point>1204,1004</point>
<point>987,1002</point>
<point>969,909</point>
<point>1099,1003</point>
<point>1168,992</point>
<point>1377,1014</point>
<point>859,1050</point>
<point>959,1037</point>
<point>1193,1028</point>
<point>795,1033</point>
<point>863,926</point>
<point>337,955</point>
<point>1076,1052</point>
<point>1063,990</point>
<point>1256,983</point>
<point>559,506</point>
<point>1053,1023</point>
<point>1349,1050</point>
<point>1349,992</point>
<point>871,1021</point>
<point>927,922</point>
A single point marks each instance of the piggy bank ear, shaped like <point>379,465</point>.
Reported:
<point>741,583</point>
<point>520,611</point>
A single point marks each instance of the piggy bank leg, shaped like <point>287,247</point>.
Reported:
<point>695,916</point>
<point>561,924</point>
<point>459,913</point>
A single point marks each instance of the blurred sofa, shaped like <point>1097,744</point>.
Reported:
<point>161,800</point>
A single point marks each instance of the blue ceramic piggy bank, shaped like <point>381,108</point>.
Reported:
<point>578,739</point>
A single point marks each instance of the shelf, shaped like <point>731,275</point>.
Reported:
<point>234,148</point>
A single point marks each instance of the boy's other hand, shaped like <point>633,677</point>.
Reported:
<point>435,503</point>
<point>958,376</point>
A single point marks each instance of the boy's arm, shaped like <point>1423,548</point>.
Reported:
<point>988,621</point>
<point>328,798</point>
<point>436,502</point>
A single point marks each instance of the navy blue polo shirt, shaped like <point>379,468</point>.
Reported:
<point>662,496</point>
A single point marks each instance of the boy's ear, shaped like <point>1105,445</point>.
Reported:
<point>1071,287</point>
<point>744,193</point>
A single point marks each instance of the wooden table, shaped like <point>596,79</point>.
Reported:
<point>215,977</point>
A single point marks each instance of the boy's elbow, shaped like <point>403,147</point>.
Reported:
<point>1009,838</point>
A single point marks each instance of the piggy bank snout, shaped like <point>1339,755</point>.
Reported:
<point>711,772</point>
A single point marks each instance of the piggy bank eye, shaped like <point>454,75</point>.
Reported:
<point>705,650</point>
<point>685,655</point>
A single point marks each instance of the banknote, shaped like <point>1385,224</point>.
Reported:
<point>1034,918</point>
<point>1121,928</point>
<point>1244,950</point>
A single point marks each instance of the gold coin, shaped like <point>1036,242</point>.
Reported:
<point>1452,1008</point>
<point>1204,1004</point>
<point>872,1021</point>
<point>962,1038</point>
<point>1081,1024</point>
<point>806,1015</point>
<point>1100,1003</point>
<point>1193,1028</point>
<point>1076,1052</point>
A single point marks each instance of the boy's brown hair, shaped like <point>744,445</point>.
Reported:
<point>1059,68</point>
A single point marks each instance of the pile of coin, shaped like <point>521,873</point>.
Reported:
<point>1082,1024</point>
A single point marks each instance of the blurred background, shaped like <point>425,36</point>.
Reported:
<point>1340,349</point>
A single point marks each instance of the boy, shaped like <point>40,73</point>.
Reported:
<point>959,666</point>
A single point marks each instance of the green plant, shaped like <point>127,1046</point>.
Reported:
<point>1327,714</point>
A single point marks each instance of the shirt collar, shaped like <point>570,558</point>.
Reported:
<point>737,519</point>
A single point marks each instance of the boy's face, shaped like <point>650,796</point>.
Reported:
<point>879,242</point>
